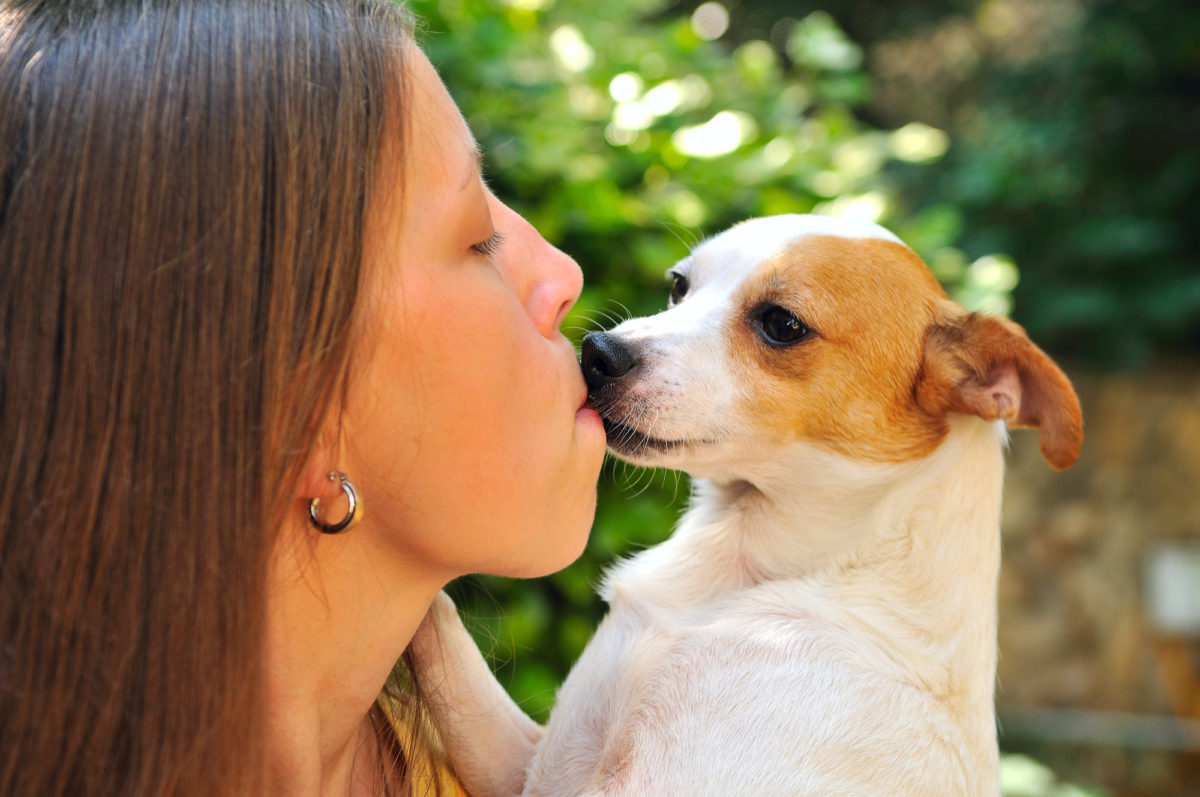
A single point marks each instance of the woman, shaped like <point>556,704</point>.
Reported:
<point>254,289</point>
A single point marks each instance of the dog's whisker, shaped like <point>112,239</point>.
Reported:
<point>677,230</point>
<point>625,314</point>
<point>636,487</point>
<point>678,480</point>
<point>628,476</point>
<point>649,474</point>
<point>601,317</point>
<point>602,314</point>
<point>595,319</point>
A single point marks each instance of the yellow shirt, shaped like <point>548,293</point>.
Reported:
<point>421,777</point>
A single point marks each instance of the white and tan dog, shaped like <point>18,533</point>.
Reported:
<point>823,620</point>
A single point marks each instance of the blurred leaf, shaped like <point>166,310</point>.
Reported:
<point>1022,776</point>
<point>818,43</point>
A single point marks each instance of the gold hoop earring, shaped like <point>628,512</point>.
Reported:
<point>353,512</point>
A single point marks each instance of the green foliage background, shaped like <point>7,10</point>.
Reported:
<point>1055,178</point>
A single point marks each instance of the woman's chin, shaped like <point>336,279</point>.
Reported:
<point>561,548</point>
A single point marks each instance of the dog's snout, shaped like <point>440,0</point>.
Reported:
<point>605,359</point>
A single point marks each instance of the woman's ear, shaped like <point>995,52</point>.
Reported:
<point>314,481</point>
<point>986,366</point>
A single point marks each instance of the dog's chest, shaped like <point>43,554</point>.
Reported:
<point>645,667</point>
<point>604,688</point>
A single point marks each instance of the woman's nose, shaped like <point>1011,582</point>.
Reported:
<point>546,280</point>
<point>563,280</point>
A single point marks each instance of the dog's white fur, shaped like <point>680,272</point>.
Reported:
<point>823,619</point>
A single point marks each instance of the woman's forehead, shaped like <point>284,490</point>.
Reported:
<point>425,178</point>
<point>437,122</point>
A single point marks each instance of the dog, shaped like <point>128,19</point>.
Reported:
<point>823,619</point>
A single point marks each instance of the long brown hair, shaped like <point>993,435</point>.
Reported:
<point>182,192</point>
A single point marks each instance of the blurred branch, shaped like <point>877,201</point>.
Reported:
<point>1110,728</point>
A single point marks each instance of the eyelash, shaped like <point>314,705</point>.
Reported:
<point>491,245</point>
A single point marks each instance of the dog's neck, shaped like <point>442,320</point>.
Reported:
<point>818,516</point>
<point>914,546</point>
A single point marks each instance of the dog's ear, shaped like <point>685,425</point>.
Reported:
<point>987,366</point>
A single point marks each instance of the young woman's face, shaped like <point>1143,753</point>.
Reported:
<point>465,429</point>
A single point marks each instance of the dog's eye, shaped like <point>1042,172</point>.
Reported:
<point>679,287</point>
<point>781,327</point>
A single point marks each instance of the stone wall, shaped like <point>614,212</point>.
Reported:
<point>1075,627</point>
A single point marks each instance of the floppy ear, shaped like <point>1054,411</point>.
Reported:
<point>986,366</point>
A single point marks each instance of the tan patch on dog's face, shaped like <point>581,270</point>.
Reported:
<point>848,386</point>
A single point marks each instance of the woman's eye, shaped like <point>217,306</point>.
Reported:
<point>679,287</point>
<point>489,246</point>
<point>781,327</point>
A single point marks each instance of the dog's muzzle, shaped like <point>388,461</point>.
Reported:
<point>605,359</point>
<point>608,363</point>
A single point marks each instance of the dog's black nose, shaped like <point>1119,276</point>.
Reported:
<point>605,359</point>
